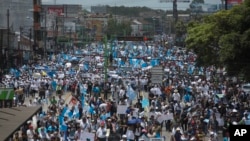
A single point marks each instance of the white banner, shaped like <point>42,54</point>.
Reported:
<point>173,0</point>
<point>121,109</point>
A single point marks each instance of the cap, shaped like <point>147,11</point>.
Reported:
<point>102,123</point>
<point>124,136</point>
<point>144,130</point>
<point>178,129</point>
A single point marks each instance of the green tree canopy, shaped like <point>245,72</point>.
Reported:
<point>223,40</point>
<point>118,29</point>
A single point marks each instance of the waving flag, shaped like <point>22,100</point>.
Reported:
<point>76,113</point>
<point>91,110</point>
<point>54,85</point>
<point>145,102</point>
<point>83,92</point>
<point>62,125</point>
<point>154,62</point>
<point>131,93</point>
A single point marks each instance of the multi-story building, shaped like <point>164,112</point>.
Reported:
<point>17,20</point>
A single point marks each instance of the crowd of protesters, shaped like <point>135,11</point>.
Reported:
<point>203,103</point>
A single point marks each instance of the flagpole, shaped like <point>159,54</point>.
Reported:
<point>106,59</point>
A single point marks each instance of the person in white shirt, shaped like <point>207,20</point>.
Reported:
<point>43,134</point>
<point>130,133</point>
<point>112,89</point>
<point>121,93</point>
<point>30,133</point>
<point>84,125</point>
<point>176,96</point>
<point>101,132</point>
<point>78,133</point>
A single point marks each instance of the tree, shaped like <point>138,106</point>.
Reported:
<point>180,32</point>
<point>223,40</point>
<point>115,28</point>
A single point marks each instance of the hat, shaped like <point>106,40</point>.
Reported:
<point>234,110</point>
<point>124,136</point>
<point>188,104</point>
<point>144,130</point>
<point>109,119</point>
<point>102,123</point>
<point>178,129</point>
<point>93,131</point>
<point>176,91</point>
<point>211,133</point>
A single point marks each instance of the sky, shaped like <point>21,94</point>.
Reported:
<point>154,4</point>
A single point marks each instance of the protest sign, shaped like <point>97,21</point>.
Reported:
<point>86,135</point>
<point>121,109</point>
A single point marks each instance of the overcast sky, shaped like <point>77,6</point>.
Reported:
<point>155,4</point>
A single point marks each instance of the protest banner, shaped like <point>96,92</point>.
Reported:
<point>87,136</point>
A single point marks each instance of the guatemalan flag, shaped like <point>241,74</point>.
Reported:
<point>131,93</point>
<point>83,92</point>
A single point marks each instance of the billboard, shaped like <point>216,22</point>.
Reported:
<point>6,93</point>
<point>55,10</point>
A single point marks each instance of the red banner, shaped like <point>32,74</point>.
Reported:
<point>55,10</point>
<point>234,1</point>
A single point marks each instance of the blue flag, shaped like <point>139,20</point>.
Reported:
<point>131,93</point>
<point>144,102</point>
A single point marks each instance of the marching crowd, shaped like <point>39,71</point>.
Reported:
<point>202,105</point>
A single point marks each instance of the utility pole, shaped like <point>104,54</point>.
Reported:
<point>30,44</point>
<point>175,11</point>
<point>19,45</point>
<point>8,37</point>
<point>226,5</point>
<point>45,35</point>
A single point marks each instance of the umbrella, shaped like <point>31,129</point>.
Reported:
<point>7,76</point>
<point>36,75</point>
<point>220,95</point>
<point>132,121</point>
<point>103,105</point>
<point>68,65</point>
